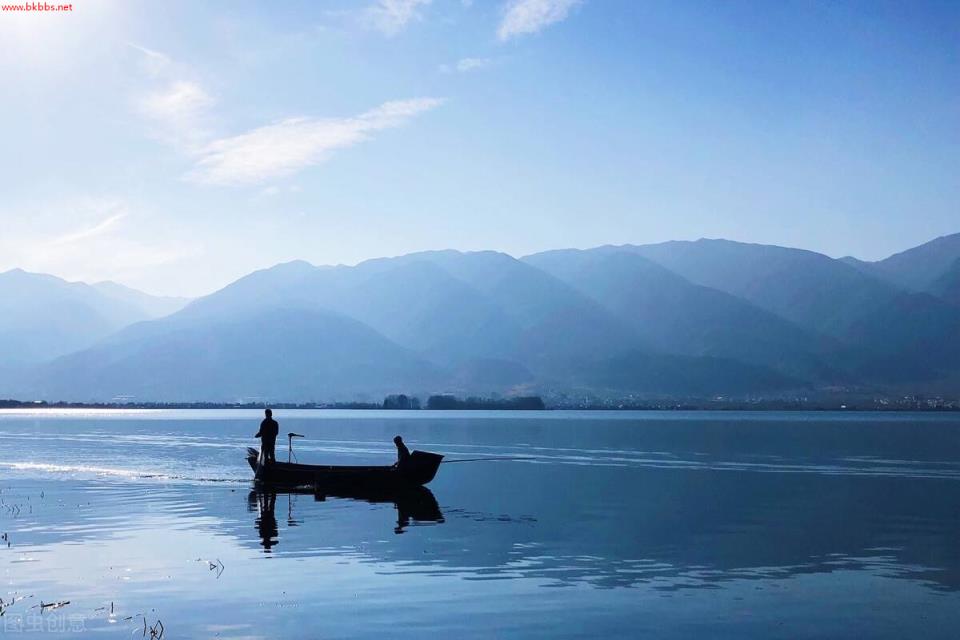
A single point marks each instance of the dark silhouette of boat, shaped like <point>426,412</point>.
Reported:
<point>344,480</point>
<point>413,505</point>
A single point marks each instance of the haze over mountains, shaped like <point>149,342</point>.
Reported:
<point>42,316</point>
<point>703,318</point>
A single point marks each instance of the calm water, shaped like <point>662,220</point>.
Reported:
<point>666,525</point>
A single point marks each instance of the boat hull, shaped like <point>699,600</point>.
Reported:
<point>420,470</point>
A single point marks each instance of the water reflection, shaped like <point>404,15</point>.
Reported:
<point>415,505</point>
<point>613,528</point>
<point>266,522</point>
<point>608,528</point>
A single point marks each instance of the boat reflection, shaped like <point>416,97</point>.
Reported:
<point>413,505</point>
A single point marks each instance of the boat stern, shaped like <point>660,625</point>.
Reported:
<point>423,467</point>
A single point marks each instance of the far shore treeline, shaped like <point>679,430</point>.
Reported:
<point>446,402</point>
<point>395,402</point>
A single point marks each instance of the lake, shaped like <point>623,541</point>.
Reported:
<point>619,524</point>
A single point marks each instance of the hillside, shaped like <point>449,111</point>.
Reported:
<point>42,316</point>
<point>704,318</point>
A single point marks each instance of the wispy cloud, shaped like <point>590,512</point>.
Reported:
<point>465,65</point>
<point>179,109</point>
<point>287,146</point>
<point>176,106</point>
<point>98,229</point>
<point>103,245</point>
<point>154,62</point>
<point>523,17</point>
<point>391,16</point>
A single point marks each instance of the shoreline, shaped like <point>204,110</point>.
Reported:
<point>752,407</point>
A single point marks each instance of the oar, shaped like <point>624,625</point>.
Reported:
<point>490,458</point>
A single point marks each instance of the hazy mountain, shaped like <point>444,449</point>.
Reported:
<point>450,307</point>
<point>920,267</point>
<point>289,354</point>
<point>491,375</point>
<point>644,373</point>
<point>42,316</point>
<point>555,323</point>
<point>681,318</point>
<point>150,306</point>
<point>262,289</point>
<point>929,268</point>
<point>444,321</point>
<point>860,265</point>
<point>572,340</point>
<point>674,315</point>
<point>897,335</point>
<point>947,285</point>
<point>807,288</point>
<point>413,303</point>
<point>420,305</point>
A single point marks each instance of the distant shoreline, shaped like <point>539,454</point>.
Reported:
<point>759,407</point>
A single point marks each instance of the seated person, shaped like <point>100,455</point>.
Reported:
<point>403,454</point>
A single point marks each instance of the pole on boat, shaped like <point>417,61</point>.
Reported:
<point>487,459</point>
<point>290,437</point>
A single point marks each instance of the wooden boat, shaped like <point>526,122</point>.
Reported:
<point>419,470</point>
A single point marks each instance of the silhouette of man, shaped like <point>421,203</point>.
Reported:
<point>403,454</point>
<point>266,523</point>
<point>269,429</point>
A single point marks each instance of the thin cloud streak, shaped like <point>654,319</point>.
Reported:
<point>392,16</point>
<point>154,62</point>
<point>181,108</point>
<point>177,107</point>
<point>472,64</point>
<point>465,65</point>
<point>105,247</point>
<point>86,234</point>
<point>179,103</point>
<point>290,145</point>
<point>524,17</point>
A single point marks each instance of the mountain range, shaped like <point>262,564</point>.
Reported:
<point>676,319</point>
<point>42,316</point>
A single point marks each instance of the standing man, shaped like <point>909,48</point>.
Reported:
<point>269,429</point>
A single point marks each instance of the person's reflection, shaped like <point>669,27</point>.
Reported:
<point>419,506</point>
<point>266,521</point>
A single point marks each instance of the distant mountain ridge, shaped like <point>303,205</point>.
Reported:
<point>151,306</point>
<point>916,269</point>
<point>703,318</point>
<point>896,335</point>
<point>677,316</point>
<point>245,356</point>
<point>42,316</point>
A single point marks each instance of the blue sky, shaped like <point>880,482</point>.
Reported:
<point>177,146</point>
